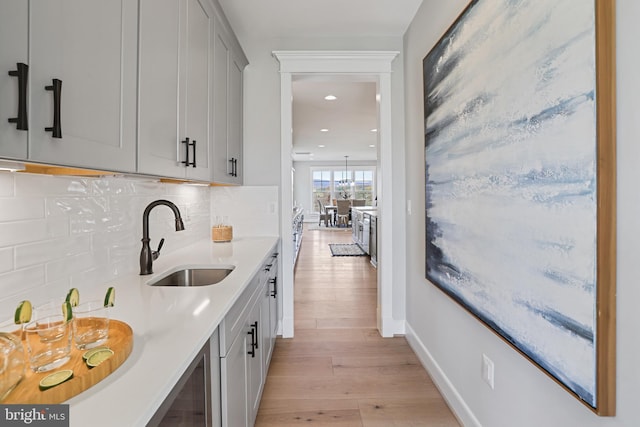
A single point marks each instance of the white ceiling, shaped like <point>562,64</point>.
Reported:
<point>351,117</point>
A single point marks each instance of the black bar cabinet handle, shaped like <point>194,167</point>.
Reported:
<point>231,161</point>
<point>186,152</point>
<point>274,282</point>
<point>194,153</point>
<point>255,325</point>
<point>21,72</point>
<point>56,87</point>
<point>252,352</point>
<point>235,167</point>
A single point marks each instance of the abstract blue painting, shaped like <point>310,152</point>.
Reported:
<point>511,177</point>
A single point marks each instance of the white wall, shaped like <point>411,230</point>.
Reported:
<point>452,341</point>
<point>62,232</point>
<point>262,98</point>
<point>251,210</point>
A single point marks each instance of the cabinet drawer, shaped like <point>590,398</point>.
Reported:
<point>233,322</point>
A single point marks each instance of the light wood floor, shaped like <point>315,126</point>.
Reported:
<point>337,370</point>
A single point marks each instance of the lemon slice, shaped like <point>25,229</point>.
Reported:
<point>88,353</point>
<point>73,297</point>
<point>110,297</point>
<point>98,357</point>
<point>67,311</point>
<point>55,378</point>
<point>23,312</point>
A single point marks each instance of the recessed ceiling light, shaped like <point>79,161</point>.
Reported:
<point>330,98</point>
<point>372,145</point>
<point>374,130</point>
<point>324,130</point>
<point>321,146</point>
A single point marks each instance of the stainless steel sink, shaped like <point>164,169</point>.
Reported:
<point>193,276</point>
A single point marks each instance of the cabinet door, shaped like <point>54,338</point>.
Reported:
<point>197,112</point>
<point>221,162</point>
<point>159,38</point>
<point>13,50</point>
<point>234,383</point>
<point>227,89</point>
<point>254,366</point>
<point>234,142</point>
<point>174,88</point>
<point>89,45</point>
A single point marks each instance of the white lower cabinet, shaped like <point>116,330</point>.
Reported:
<point>247,337</point>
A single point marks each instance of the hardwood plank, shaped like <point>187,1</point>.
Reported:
<point>327,335</point>
<point>366,322</point>
<point>300,366</point>
<point>399,365</point>
<point>391,412</point>
<point>333,412</point>
<point>349,387</point>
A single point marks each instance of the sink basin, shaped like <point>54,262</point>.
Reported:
<point>193,276</point>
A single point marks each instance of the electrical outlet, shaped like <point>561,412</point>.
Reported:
<point>487,370</point>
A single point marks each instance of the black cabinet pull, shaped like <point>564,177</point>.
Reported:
<point>56,87</point>
<point>255,325</point>
<point>274,292</point>
<point>21,72</point>
<point>194,154</point>
<point>252,352</point>
<point>233,167</point>
<point>187,145</point>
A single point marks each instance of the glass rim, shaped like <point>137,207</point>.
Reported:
<point>88,306</point>
<point>33,325</point>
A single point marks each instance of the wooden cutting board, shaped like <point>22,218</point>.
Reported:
<point>120,341</point>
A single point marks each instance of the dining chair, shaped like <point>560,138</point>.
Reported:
<point>323,214</point>
<point>344,211</point>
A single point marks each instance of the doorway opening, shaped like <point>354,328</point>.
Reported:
<point>371,66</point>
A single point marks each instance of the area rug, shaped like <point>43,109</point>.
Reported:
<point>315,227</point>
<point>346,249</point>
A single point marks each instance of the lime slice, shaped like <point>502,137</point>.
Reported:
<point>98,357</point>
<point>73,297</point>
<point>55,378</point>
<point>67,311</point>
<point>88,353</point>
<point>23,312</point>
<point>110,297</point>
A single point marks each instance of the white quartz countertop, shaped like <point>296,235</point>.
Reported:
<point>369,210</point>
<point>170,325</point>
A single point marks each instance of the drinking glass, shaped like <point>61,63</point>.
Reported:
<point>11,357</point>
<point>48,342</point>
<point>90,324</point>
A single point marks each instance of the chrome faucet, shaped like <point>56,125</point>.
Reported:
<point>147,255</point>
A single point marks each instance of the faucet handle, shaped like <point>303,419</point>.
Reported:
<point>156,254</point>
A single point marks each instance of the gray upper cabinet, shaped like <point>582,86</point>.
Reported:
<point>86,50</point>
<point>229,63</point>
<point>136,86</point>
<point>174,88</point>
<point>14,44</point>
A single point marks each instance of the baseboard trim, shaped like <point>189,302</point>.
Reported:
<point>459,407</point>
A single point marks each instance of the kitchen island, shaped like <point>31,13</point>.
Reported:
<point>170,326</point>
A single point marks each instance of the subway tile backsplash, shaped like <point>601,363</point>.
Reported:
<point>61,232</point>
